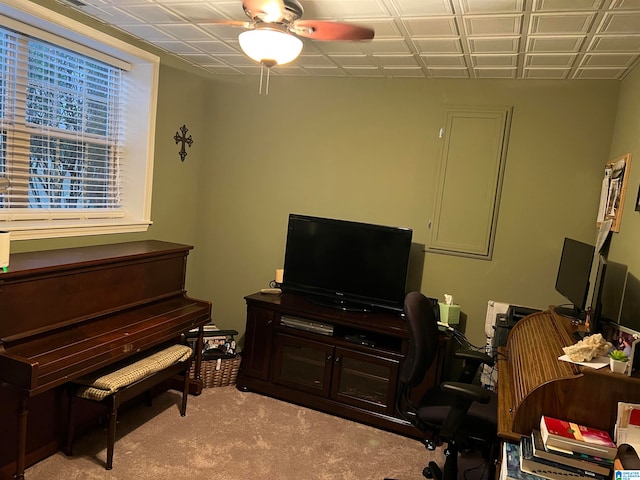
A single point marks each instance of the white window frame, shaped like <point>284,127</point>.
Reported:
<point>139,136</point>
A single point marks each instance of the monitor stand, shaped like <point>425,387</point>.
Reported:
<point>574,313</point>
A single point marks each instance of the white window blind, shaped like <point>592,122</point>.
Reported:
<point>62,125</point>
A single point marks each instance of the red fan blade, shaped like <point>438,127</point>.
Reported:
<point>331,30</point>
<point>266,10</point>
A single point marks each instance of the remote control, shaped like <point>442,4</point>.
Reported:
<point>271,291</point>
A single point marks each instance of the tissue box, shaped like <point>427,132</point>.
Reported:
<point>449,314</point>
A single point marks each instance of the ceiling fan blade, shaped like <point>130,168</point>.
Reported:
<point>266,10</point>
<point>318,30</point>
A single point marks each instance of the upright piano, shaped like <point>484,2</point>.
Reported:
<point>532,381</point>
<point>65,313</point>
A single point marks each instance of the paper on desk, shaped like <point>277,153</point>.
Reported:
<point>596,363</point>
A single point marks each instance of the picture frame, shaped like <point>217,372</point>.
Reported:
<point>624,338</point>
<point>614,187</point>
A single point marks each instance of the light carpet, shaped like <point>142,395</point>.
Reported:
<point>233,435</point>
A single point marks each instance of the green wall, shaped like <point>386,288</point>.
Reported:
<point>624,244</point>
<point>367,150</point>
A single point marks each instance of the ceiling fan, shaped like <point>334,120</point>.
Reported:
<point>272,33</point>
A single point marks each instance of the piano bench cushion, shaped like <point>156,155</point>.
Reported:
<point>99,385</point>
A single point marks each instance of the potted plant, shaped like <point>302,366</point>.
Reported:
<point>618,361</point>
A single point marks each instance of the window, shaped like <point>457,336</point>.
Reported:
<point>75,143</point>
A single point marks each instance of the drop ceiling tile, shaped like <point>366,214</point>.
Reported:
<point>364,71</point>
<point>431,27</point>
<point>470,7</point>
<point>620,22</point>
<point>493,25</point>
<point>215,48</point>
<point>495,72</point>
<point>202,59</point>
<point>314,61</point>
<point>555,5</point>
<point>197,12</point>
<point>444,60</point>
<point>352,61</point>
<point>546,73</point>
<point>383,47</point>
<point>626,4</point>
<point>560,23</point>
<point>151,13</point>
<point>615,43</point>
<point>599,73</point>
<point>177,47</point>
<point>494,44</point>
<point>482,61</point>
<point>448,72</point>
<point>438,45</point>
<point>420,7</point>
<point>433,38</point>
<point>557,60</point>
<point>185,32</point>
<point>150,33</point>
<point>608,59</point>
<point>403,72</point>
<point>565,43</point>
<point>343,9</point>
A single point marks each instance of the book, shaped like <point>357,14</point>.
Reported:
<point>510,466</point>
<point>549,469</point>
<point>541,465</point>
<point>596,465</point>
<point>564,435</point>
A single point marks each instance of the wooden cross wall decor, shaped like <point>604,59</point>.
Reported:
<point>185,141</point>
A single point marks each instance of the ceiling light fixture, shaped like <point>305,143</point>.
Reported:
<point>270,46</point>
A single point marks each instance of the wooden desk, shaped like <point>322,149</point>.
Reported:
<point>533,382</point>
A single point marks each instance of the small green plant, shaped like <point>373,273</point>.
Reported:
<point>619,355</point>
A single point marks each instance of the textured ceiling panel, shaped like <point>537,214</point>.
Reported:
<point>536,39</point>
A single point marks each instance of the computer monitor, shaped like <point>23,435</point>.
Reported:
<point>572,280</point>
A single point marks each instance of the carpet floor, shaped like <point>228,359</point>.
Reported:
<point>233,435</point>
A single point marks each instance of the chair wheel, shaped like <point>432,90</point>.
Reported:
<point>430,444</point>
<point>426,472</point>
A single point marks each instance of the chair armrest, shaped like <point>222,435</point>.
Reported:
<point>471,364</point>
<point>474,356</point>
<point>466,391</point>
<point>462,396</point>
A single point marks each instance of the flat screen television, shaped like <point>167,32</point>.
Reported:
<point>572,280</point>
<point>347,265</point>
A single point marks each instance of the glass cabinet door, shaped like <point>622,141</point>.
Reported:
<point>303,364</point>
<point>364,380</point>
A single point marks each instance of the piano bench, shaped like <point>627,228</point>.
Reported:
<point>124,381</point>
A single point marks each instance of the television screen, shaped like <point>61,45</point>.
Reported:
<point>572,280</point>
<point>346,264</point>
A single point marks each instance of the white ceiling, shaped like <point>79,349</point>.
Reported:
<point>531,39</point>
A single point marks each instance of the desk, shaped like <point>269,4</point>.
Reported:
<point>533,382</point>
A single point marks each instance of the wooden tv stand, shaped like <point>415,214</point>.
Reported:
<point>355,378</point>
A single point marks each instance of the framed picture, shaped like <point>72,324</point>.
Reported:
<point>623,338</point>
<point>614,187</point>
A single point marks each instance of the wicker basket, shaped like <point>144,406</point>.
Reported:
<point>218,375</point>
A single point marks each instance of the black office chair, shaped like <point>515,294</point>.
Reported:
<point>462,413</point>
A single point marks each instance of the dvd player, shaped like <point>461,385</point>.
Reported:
<point>307,325</point>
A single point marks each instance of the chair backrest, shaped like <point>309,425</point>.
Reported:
<point>423,338</point>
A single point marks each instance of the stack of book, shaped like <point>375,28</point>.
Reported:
<point>561,450</point>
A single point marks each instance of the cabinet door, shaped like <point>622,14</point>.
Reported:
<point>363,380</point>
<point>257,343</point>
<point>302,364</point>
